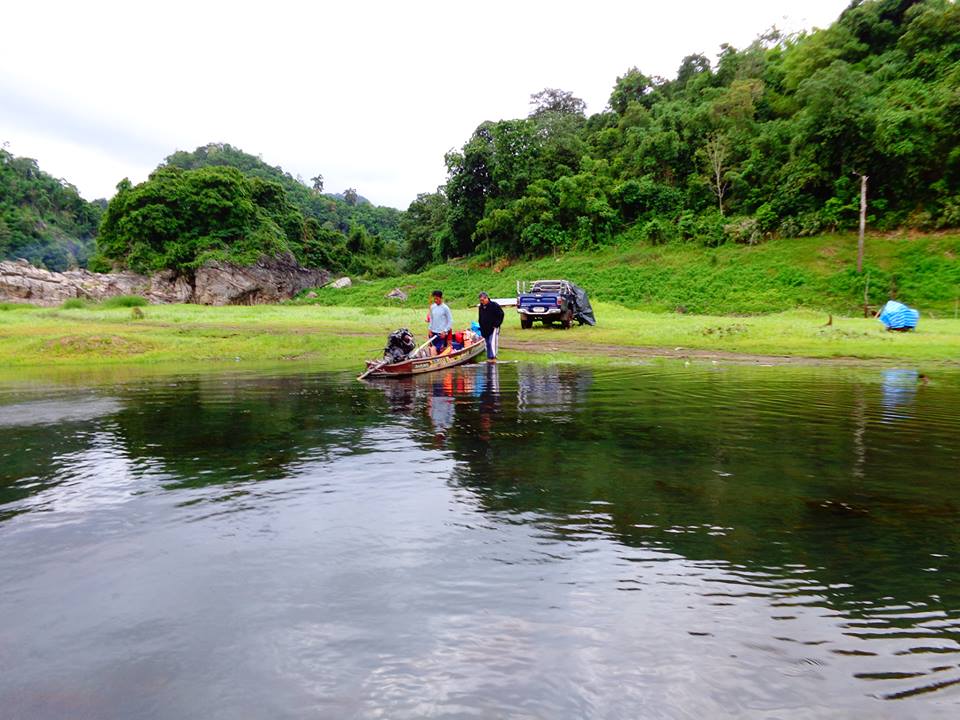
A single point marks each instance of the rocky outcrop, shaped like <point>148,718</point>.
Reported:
<point>216,283</point>
<point>269,280</point>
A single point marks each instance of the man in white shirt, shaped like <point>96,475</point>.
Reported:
<point>441,323</point>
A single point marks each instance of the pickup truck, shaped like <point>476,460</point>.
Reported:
<point>547,301</point>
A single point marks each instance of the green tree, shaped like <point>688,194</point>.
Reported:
<point>426,228</point>
<point>179,219</point>
<point>633,86</point>
<point>552,100</point>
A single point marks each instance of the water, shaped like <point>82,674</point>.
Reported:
<point>516,541</point>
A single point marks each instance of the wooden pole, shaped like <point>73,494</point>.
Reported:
<point>866,297</point>
<point>863,221</point>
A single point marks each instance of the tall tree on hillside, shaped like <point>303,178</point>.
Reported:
<point>715,154</point>
<point>692,66</point>
<point>633,86</point>
<point>317,183</point>
<point>426,229</point>
<point>551,100</point>
<point>469,184</point>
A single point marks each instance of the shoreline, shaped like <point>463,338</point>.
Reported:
<point>342,337</point>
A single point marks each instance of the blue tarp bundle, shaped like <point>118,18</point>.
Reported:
<point>897,316</point>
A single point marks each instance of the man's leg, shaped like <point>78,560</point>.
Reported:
<point>493,340</point>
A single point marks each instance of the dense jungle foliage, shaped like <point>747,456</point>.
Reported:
<point>43,219</point>
<point>221,203</point>
<point>770,141</point>
<point>346,214</point>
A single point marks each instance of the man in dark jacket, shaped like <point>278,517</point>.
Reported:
<point>490,318</point>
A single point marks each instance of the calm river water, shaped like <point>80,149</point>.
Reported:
<point>512,541</point>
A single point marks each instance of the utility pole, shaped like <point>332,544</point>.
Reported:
<point>863,221</point>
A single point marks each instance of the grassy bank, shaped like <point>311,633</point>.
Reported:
<point>341,337</point>
<point>763,303</point>
<point>817,273</point>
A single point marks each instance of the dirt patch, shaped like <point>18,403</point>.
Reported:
<point>725,330</point>
<point>101,345</point>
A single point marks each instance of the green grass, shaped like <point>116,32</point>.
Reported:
<point>816,273</point>
<point>126,301</point>
<point>766,302</point>
<point>340,338</point>
<point>118,301</point>
<point>75,304</point>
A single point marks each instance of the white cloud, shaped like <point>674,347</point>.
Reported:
<point>370,94</point>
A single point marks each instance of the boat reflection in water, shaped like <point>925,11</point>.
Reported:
<point>473,389</point>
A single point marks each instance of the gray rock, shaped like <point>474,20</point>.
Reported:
<point>397,294</point>
<point>269,280</point>
<point>216,283</point>
<point>343,282</point>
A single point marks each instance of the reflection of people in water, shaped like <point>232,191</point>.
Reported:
<point>440,403</point>
<point>488,389</point>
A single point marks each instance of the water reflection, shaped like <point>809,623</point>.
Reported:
<point>548,531</point>
<point>552,389</point>
<point>899,393</point>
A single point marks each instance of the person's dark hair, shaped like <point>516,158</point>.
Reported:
<point>437,293</point>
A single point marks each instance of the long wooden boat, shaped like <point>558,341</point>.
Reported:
<point>419,365</point>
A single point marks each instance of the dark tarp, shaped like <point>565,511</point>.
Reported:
<point>582,311</point>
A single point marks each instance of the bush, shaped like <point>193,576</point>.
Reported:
<point>658,231</point>
<point>74,304</point>
<point>766,218</point>
<point>744,230</point>
<point>950,215</point>
<point>99,264</point>
<point>125,301</point>
<point>709,229</point>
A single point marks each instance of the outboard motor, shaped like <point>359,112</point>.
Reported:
<point>400,343</point>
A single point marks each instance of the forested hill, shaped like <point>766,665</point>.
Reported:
<point>767,141</point>
<point>218,202</point>
<point>337,212</point>
<point>42,219</point>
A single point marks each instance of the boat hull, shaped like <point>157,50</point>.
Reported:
<point>418,366</point>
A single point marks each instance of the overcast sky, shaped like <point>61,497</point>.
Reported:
<point>370,94</point>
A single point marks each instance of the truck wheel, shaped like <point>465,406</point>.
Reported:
<point>526,322</point>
